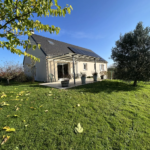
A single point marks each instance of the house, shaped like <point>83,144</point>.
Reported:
<point>60,59</point>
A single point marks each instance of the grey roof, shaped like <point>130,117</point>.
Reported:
<point>55,47</point>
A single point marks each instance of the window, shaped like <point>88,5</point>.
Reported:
<point>85,66</point>
<point>102,67</point>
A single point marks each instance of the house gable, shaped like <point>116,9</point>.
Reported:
<point>40,66</point>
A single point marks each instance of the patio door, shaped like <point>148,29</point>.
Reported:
<point>62,70</point>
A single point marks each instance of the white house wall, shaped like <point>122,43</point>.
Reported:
<point>90,68</point>
<point>40,66</point>
<point>52,68</point>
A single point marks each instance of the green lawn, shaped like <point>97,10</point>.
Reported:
<point>114,116</point>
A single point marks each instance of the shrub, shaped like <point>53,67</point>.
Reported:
<point>21,77</point>
<point>94,73</point>
<point>29,79</point>
<point>10,70</point>
<point>83,74</point>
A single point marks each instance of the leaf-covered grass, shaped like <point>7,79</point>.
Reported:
<point>113,114</point>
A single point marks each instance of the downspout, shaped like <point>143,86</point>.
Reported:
<point>47,70</point>
<point>54,69</point>
<point>95,64</point>
<point>73,70</point>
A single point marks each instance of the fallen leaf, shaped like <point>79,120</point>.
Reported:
<point>78,129</point>
<point>32,108</point>
<point>8,136</point>
<point>24,121</point>
<point>4,104</point>
<point>10,130</point>
<point>1,108</point>
<point>15,115</point>
<point>16,99</point>
<point>8,115</point>
<point>21,99</point>
<point>5,139</point>
<point>17,108</point>
<point>3,95</point>
<point>16,148</point>
<point>46,110</point>
<point>78,105</point>
<point>6,127</point>
<point>26,125</point>
<point>41,106</point>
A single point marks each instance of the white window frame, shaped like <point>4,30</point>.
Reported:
<point>83,66</point>
<point>101,67</point>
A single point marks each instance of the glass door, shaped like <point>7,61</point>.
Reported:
<point>62,70</point>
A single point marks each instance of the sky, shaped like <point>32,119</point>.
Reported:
<point>94,25</point>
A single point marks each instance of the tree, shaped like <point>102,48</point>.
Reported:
<point>15,20</point>
<point>32,69</point>
<point>10,70</point>
<point>132,55</point>
<point>110,71</point>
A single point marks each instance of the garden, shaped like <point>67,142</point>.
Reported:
<point>110,114</point>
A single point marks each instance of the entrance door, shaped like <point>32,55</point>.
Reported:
<point>62,70</point>
<point>65,67</point>
<point>60,73</point>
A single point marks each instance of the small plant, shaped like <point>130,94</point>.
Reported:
<point>83,74</point>
<point>89,76</point>
<point>67,76</point>
<point>94,74</point>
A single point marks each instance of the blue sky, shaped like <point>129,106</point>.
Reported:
<point>95,25</point>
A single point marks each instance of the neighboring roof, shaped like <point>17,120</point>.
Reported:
<point>52,47</point>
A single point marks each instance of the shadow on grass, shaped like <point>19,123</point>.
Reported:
<point>14,83</point>
<point>107,86</point>
<point>24,84</point>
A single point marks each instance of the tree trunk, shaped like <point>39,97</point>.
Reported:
<point>7,81</point>
<point>32,79</point>
<point>135,83</point>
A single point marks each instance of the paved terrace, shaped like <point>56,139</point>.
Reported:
<point>71,83</point>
